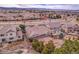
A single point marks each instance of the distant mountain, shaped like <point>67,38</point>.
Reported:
<point>15,8</point>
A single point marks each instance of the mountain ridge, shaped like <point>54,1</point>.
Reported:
<point>15,8</point>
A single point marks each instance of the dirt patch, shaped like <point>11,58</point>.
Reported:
<point>57,42</point>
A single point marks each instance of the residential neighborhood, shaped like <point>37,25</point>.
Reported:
<point>19,28</point>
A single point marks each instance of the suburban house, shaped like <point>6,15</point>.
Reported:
<point>37,31</point>
<point>8,33</point>
<point>55,28</point>
<point>68,27</point>
<point>71,28</point>
<point>76,29</point>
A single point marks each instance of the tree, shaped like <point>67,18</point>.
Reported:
<point>31,39</point>
<point>69,47</point>
<point>23,31</point>
<point>58,16</point>
<point>77,19</point>
<point>61,35</point>
<point>41,46</point>
<point>48,48</point>
<point>38,45</point>
<point>45,51</point>
<point>68,14</point>
<point>59,51</point>
<point>50,16</point>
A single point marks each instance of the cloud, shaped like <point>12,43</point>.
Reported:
<point>52,6</point>
<point>9,5</point>
<point>48,6</point>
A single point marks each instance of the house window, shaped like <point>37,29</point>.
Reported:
<point>10,33</point>
<point>2,34</point>
<point>11,38</point>
<point>19,36</point>
<point>3,40</point>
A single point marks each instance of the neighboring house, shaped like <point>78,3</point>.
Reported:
<point>8,33</point>
<point>36,31</point>
<point>55,28</point>
<point>76,29</point>
<point>69,27</point>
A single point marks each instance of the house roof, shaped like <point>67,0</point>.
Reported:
<point>6,28</point>
<point>55,24</point>
<point>68,25</point>
<point>37,31</point>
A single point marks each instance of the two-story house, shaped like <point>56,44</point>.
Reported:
<point>8,33</point>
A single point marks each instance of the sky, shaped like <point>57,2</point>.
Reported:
<point>48,6</point>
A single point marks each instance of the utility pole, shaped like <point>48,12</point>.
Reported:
<point>25,28</point>
<point>50,27</point>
